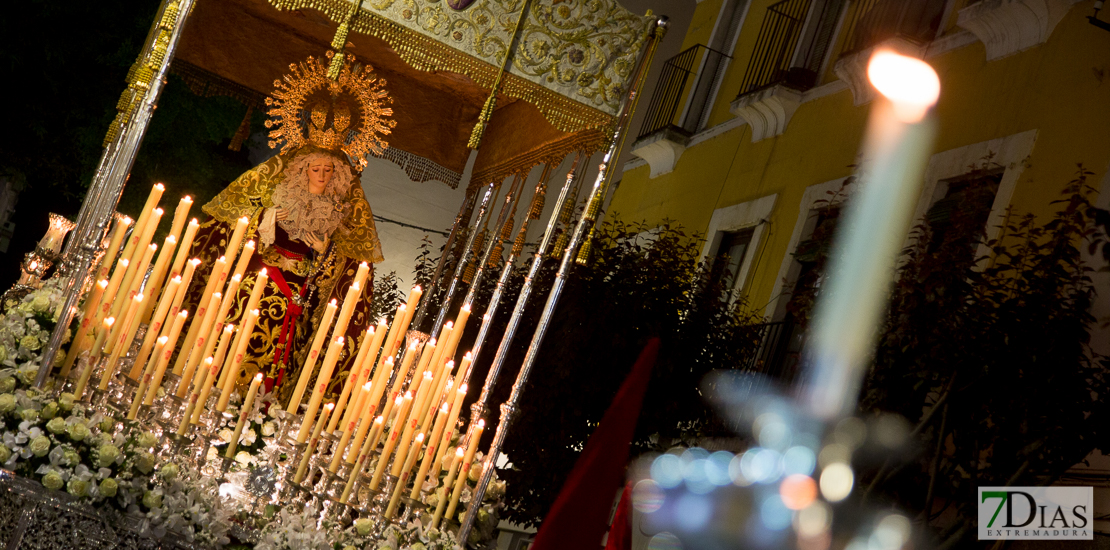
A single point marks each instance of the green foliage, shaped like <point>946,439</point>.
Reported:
<point>640,283</point>
<point>425,268</point>
<point>387,296</point>
<point>1003,341</point>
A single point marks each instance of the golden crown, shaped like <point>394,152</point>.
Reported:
<point>331,122</point>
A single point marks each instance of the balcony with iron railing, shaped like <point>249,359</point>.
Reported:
<point>687,79</point>
<point>679,104</point>
<point>907,26</point>
<point>871,22</point>
<point>789,51</point>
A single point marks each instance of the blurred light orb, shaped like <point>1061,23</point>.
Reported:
<point>892,533</point>
<point>798,491</point>
<point>647,497</point>
<point>850,432</point>
<point>736,472</point>
<point>910,84</point>
<point>697,479</point>
<point>833,453</point>
<point>666,470</point>
<point>891,431</point>
<point>717,468</point>
<point>694,453</point>
<point>664,541</point>
<point>772,431</point>
<point>836,482</point>
<point>774,514</point>
<point>693,512</point>
<point>798,460</point>
<point>813,520</point>
<point>764,467</point>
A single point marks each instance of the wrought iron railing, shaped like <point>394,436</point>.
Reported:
<point>689,78</point>
<point>775,47</point>
<point>870,22</point>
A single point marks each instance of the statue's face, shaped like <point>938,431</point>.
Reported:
<point>319,174</point>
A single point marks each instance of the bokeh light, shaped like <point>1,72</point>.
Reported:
<point>774,514</point>
<point>813,520</point>
<point>892,533</point>
<point>647,497</point>
<point>836,481</point>
<point>798,460</point>
<point>664,541</point>
<point>693,512</point>
<point>666,470</point>
<point>717,468</point>
<point>798,491</point>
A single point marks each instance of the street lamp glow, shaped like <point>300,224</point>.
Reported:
<point>910,84</point>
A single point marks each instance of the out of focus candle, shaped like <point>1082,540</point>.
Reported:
<point>244,412</point>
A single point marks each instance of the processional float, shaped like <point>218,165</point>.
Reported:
<point>332,449</point>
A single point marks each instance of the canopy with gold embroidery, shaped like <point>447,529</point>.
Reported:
<point>439,59</point>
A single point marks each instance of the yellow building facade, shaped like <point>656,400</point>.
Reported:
<point>749,133</point>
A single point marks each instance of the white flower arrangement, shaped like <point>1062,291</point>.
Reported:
<point>297,529</point>
<point>25,328</point>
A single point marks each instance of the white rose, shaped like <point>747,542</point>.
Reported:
<point>40,303</point>
<point>30,342</point>
<point>225,435</point>
<point>5,453</point>
<point>30,415</point>
<point>108,487</point>
<point>65,401</point>
<point>7,403</point>
<point>77,487</point>
<point>152,500</point>
<point>108,454</point>
<point>56,425</point>
<point>78,431</point>
<point>147,440</point>
<point>475,471</point>
<point>40,445</point>
<point>168,471</point>
<point>268,429</point>
<point>145,463</point>
<point>243,457</point>
<point>7,384</point>
<point>52,481</point>
<point>363,526</point>
<point>50,410</point>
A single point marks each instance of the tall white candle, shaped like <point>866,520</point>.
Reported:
<point>897,143</point>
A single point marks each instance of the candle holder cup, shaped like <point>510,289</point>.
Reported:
<point>225,467</point>
<point>412,506</point>
<point>178,443</point>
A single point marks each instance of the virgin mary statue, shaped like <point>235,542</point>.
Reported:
<point>308,216</point>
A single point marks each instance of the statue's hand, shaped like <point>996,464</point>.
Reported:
<point>281,213</point>
<point>317,244</point>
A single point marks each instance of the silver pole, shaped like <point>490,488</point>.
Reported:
<point>463,258</point>
<point>508,409</point>
<point>107,159</point>
<point>506,271</point>
<point>102,203</point>
<point>478,409</point>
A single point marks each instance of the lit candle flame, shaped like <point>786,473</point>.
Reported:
<point>910,84</point>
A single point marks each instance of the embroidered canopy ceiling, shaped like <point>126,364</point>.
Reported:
<point>440,58</point>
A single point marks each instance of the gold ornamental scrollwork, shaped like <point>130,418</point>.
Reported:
<point>572,63</point>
